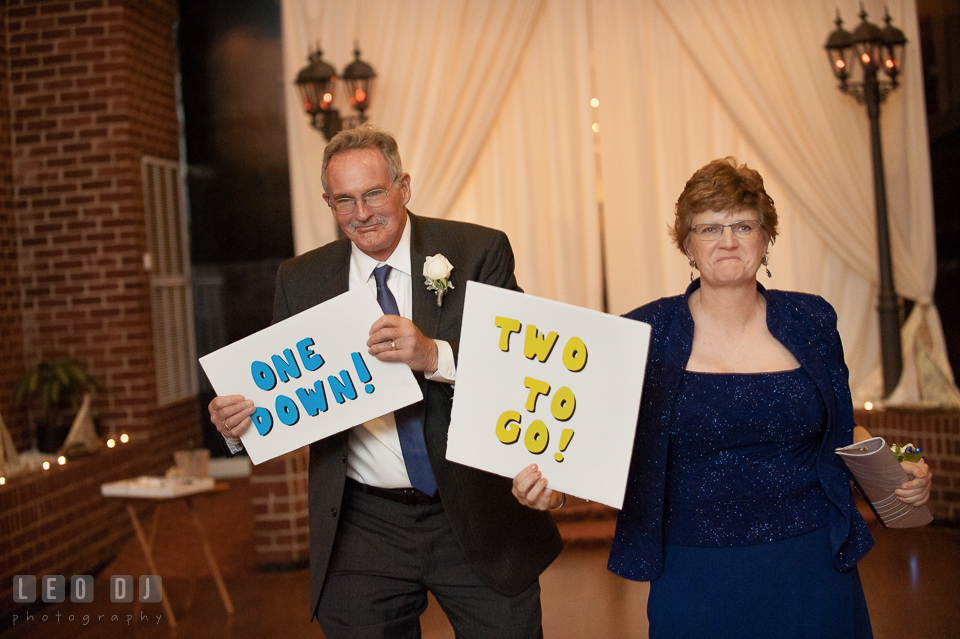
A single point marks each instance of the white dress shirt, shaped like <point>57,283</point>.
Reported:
<point>375,458</point>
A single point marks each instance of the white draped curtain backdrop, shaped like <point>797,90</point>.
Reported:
<point>490,103</point>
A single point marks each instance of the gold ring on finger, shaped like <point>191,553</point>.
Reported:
<point>393,345</point>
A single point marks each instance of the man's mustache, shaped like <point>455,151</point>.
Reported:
<point>380,220</point>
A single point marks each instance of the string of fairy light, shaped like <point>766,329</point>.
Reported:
<point>61,460</point>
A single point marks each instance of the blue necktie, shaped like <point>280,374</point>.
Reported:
<point>412,445</point>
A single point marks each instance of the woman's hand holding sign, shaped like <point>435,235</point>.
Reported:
<point>396,339</point>
<point>530,489</point>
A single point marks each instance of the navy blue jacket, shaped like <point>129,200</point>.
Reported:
<point>807,326</point>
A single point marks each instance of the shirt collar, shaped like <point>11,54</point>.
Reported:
<point>399,260</point>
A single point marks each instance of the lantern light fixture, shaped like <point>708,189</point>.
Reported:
<point>317,83</point>
<point>875,49</point>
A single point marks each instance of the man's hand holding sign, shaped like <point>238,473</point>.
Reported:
<point>547,389</point>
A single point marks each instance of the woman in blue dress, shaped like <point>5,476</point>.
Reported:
<point>737,510</point>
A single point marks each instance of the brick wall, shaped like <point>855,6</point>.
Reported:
<point>938,433</point>
<point>86,89</point>
<point>11,324</point>
<point>281,535</point>
<point>91,90</point>
<point>56,523</point>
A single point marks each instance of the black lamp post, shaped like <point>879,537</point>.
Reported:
<point>875,48</point>
<point>317,83</point>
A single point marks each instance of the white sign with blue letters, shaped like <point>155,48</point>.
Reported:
<point>310,376</point>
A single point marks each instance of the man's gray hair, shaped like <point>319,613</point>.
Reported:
<point>365,136</point>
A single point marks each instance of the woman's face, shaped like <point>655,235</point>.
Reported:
<point>731,257</point>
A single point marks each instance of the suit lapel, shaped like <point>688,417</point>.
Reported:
<point>426,313</point>
<point>334,278</point>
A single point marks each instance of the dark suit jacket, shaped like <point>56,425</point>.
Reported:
<point>508,544</point>
<point>807,326</point>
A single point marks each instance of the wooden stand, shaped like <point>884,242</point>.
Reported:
<point>146,543</point>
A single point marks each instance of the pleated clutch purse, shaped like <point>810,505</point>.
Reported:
<point>878,473</point>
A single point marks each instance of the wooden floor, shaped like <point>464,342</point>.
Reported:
<point>911,579</point>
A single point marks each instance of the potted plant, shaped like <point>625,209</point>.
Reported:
<point>54,390</point>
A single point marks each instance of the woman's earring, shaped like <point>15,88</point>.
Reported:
<point>693,265</point>
<point>764,261</point>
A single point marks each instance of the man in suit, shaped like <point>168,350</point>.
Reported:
<point>390,517</point>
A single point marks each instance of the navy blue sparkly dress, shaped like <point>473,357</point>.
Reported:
<point>746,519</point>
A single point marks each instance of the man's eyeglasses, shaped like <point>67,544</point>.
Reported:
<point>374,198</point>
<point>741,229</point>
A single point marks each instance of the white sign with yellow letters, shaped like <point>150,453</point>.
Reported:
<point>543,382</point>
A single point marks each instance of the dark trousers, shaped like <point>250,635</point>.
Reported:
<point>388,555</point>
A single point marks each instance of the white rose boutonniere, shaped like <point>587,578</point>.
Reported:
<point>436,272</point>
